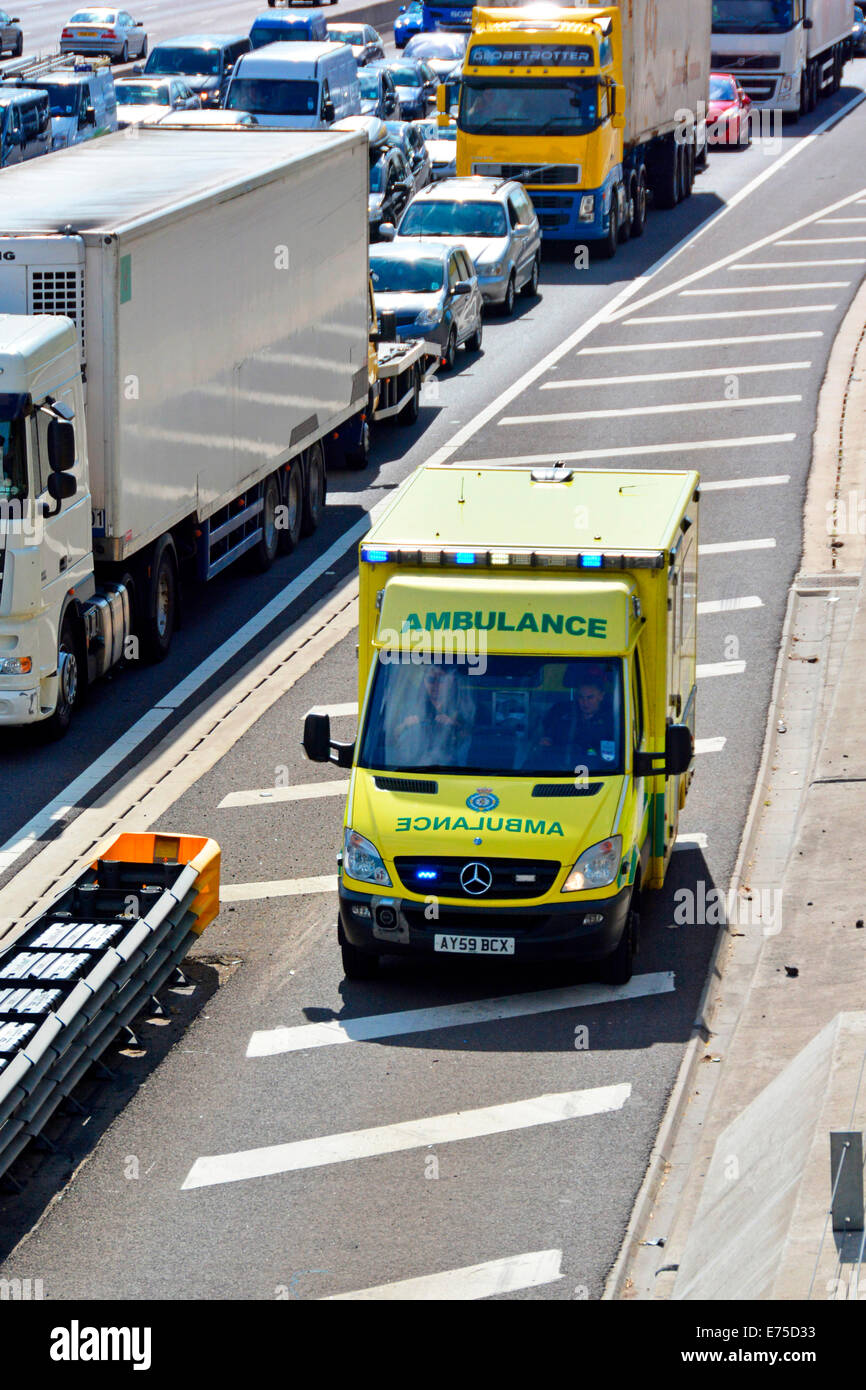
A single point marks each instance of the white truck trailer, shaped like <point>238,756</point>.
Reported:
<point>786,54</point>
<point>212,294</point>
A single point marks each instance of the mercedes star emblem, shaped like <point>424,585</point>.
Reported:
<point>475,878</point>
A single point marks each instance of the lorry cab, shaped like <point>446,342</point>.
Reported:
<point>300,86</point>
<point>25,124</point>
<point>527,697</point>
<point>286,27</point>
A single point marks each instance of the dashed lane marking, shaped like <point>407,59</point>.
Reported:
<point>753,441</point>
<point>272,1042</point>
<point>820,241</point>
<point>721,668</point>
<point>575,383</point>
<point>796,265</point>
<point>335,711</point>
<point>676,408</point>
<point>697,840</point>
<point>709,745</point>
<point>727,484</point>
<point>765,313</point>
<point>527,1271</point>
<point>621,349</point>
<point>730,547</point>
<point>729,605</point>
<point>410,1134</point>
<point>265,796</point>
<point>277,888</point>
<point>766,289</point>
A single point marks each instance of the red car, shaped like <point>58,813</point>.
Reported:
<point>728,112</point>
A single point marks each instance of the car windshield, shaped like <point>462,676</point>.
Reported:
<point>345,36</point>
<point>515,715</point>
<point>441,46</point>
<point>561,106</point>
<point>369,84</point>
<point>263,34</point>
<point>273,97</point>
<point>63,97</point>
<point>753,16</point>
<point>142,94</point>
<point>722,89</point>
<point>406,77</point>
<point>440,218</point>
<point>13,460</point>
<point>392,275</point>
<point>191,62</point>
<point>93,17</point>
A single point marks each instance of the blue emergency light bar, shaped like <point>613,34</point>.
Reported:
<point>591,562</point>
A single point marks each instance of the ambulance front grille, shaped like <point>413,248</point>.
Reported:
<point>509,878</point>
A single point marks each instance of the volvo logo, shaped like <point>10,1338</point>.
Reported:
<point>476,878</point>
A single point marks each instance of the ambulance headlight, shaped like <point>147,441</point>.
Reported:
<point>597,867</point>
<point>362,861</point>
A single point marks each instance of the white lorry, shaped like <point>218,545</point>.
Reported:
<point>786,54</point>
<point>212,289</point>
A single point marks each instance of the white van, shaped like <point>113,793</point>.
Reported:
<point>82,101</point>
<point>300,86</point>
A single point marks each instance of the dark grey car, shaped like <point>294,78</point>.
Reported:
<point>432,290</point>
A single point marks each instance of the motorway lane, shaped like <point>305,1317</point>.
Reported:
<point>565,1186</point>
<point>36,775</point>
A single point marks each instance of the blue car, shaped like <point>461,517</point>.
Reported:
<point>410,21</point>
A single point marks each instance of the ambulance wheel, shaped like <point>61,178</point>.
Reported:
<point>617,969</point>
<point>357,964</point>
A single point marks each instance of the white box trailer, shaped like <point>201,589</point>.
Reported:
<point>832,22</point>
<point>787,58</point>
<point>666,63</point>
<point>218,284</point>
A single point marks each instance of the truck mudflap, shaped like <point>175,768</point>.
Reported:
<point>89,964</point>
<point>574,931</point>
<point>400,363</point>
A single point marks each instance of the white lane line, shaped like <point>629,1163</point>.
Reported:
<point>765,313</point>
<point>839,221</point>
<point>632,451</point>
<point>720,668</point>
<point>264,796</point>
<point>753,370</point>
<point>271,1042</point>
<point>796,265</point>
<point>76,792</point>
<point>709,745</point>
<point>697,840</point>
<point>335,711</point>
<point>277,888</point>
<point>527,1271</point>
<point>820,241</point>
<point>621,349</point>
<point>410,1134</point>
<point>726,484</point>
<point>764,242</point>
<point>729,605</point>
<point>730,547</point>
<point>767,289</point>
<point>628,412</point>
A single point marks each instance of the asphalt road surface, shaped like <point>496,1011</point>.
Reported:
<point>489,1146</point>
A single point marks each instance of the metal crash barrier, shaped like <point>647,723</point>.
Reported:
<point>89,964</point>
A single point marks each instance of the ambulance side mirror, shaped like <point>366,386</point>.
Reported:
<point>679,749</point>
<point>317,742</point>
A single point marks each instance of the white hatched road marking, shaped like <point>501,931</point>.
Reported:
<point>820,241</point>
<point>725,484</point>
<point>632,451</point>
<point>729,605</point>
<point>764,313</point>
<point>839,221</point>
<point>710,745</point>
<point>277,888</point>
<point>274,1041</point>
<point>677,408</point>
<point>264,796</point>
<point>472,1282</point>
<point>721,668</point>
<point>575,383</point>
<point>729,547</point>
<point>410,1134</point>
<point>620,349</point>
<point>797,265</point>
<point>767,289</point>
<point>697,840</point>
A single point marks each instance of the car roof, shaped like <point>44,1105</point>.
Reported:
<point>473,186</point>
<point>276,55</point>
<point>362,28</point>
<point>412,249</point>
<point>201,41</point>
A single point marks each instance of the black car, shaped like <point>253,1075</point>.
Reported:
<point>391,185</point>
<point>378,93</point>
<point>11,35</point>
<point>204,61</point>
<point>410,139</point>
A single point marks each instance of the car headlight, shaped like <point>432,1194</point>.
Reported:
<point>490,267</point>
<point>597,867</point>
<point>587,207</point>
<point>362,861</point>
<point>16,666</point>
<point>428,318</point>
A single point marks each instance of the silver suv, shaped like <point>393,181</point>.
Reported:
<point>494,219</point>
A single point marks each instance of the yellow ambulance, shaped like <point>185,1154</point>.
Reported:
<point>527,646</point>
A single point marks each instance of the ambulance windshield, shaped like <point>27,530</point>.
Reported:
<point>504,715</point>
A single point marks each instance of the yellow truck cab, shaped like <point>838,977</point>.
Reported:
<point>527,651</point>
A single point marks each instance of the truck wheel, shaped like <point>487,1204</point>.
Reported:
<point>617,968</point>
<point>314,492</point>
<point>357,964</point>
<point>359,457</point>
<point>69,688</point>
<point>638,222</point>
<point>607,247</point>
<point>160,590</point>
<point>625,224</point>
<point>409,414</point>
<point>665,180</point>
<point>293,501</point>
<point>688,170</point>
<point>265,553</point>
